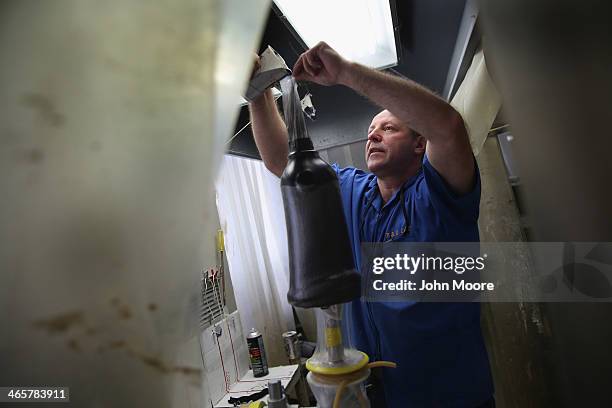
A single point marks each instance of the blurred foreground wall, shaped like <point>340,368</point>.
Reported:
<point>113,119</point>
<point>552,61</point>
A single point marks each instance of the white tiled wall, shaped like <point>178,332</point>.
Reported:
<point>225,355</point>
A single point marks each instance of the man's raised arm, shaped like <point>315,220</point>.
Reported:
<point>448,146</point>
<point>269,132</point>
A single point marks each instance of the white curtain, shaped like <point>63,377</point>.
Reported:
<point>253,221</point>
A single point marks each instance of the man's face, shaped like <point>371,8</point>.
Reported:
<point>391,146</point>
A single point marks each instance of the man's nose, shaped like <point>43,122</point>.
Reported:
<point>374,135</point>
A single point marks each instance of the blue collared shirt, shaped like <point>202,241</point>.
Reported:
<point>438,347</point>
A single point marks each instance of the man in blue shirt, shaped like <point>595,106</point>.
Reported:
<point>423,186</point>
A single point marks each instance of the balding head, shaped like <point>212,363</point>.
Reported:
<point>392,147</point>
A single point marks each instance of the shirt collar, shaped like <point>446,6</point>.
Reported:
<point>373,193</point>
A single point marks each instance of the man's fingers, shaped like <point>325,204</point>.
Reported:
<point>305,64</point>
<point>298,70</point>
<point>303,76</point>
<point>308,67</point>
<point>320,65</point>
<point>313,60</point>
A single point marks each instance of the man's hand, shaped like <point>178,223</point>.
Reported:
<point>321,64</point>
<point>254,69</point>
<point>269,130</point>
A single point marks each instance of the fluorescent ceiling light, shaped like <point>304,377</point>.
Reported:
<point>360,30</point>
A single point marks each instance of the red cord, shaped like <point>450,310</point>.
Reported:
<point>222,365</point>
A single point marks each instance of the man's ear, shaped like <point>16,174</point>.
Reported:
<point>419,145</point>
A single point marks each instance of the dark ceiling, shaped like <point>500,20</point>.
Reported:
<point>427,32</point>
